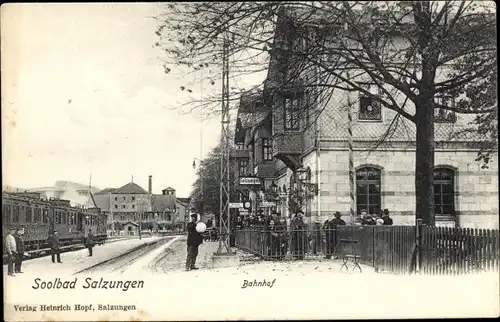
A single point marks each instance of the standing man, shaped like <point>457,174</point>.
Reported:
<point>328,237</point>
<point>19,250</point>
<point>332,229</point>
<point>54,247</point>
<point>90,242</point>
<point>298,236</point>
<point>10,247</point>
<point>193,241</point>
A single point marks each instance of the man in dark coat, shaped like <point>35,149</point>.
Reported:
<point>90,242</point>
<point>193,241</point>
<point>331,234</point>
<point>385,217</point>
<point>53,242</point>
<point>298,236</point>
<point>20,250</point>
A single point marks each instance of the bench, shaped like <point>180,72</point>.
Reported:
<point>346,249</point>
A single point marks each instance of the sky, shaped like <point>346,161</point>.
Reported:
<point>83,91</point>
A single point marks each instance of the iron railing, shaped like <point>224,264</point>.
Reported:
<point>396,249</point>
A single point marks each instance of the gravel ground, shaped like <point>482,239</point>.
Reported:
<point>173,258</point>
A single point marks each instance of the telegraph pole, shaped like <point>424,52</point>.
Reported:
<point>224,214</point>
<point>351,157</point>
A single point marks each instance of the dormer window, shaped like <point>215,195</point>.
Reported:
<point>442,115</point>
<point>369,105</point>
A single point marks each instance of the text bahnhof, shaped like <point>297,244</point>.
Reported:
<point>88,283</point>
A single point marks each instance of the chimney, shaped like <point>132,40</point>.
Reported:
<point>150,189</point>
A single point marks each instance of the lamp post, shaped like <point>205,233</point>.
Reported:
<point>201,187</point>
<point>86,224</point>
<point>273,194</point>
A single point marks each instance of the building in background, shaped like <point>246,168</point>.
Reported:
<point>133,204</point>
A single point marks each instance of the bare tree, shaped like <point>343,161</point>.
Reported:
<point>412,52</point>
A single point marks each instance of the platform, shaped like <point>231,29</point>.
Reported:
<point>225,260</point>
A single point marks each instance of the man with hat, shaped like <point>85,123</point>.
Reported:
<point>19,250</point>
<point>385,217</point>
<point>298,237</point>
<point>90,242</point>
<point>193,241</point>
<point>331,235</point>
<point>53,242</point>
<point>10,247</point>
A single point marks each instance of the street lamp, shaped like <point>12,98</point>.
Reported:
<point>86,223</point>
<point>302,174</point>
<point>201,187</point>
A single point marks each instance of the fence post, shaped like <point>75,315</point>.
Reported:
<point>418,241</point>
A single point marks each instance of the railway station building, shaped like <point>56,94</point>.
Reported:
<point>296,143</point>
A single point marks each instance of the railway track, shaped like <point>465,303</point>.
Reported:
<point>118,263</point>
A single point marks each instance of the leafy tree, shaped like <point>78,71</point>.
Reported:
<point>442,47</point>
<point>205,194</point>
<point>482,95</point>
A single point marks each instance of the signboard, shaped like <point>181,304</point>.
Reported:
<point>445,223</point>
<point>250,181</point>
<point>268,204</point>
<point>236,205</point>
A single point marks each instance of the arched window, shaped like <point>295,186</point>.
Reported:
<point>444,191</point>
<point>368,190</point>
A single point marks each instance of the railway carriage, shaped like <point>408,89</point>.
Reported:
<point>38,217</point>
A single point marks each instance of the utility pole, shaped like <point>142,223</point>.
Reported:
<point>224,214</point>
<point>351,157</point>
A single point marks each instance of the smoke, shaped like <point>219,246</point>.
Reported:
<point>75,198</point>
<point>49,194</point>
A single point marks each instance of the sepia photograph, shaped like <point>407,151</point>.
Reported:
<point>207,161</point>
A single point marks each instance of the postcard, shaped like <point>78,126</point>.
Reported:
<point>188,161</point>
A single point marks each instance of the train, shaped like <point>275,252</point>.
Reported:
<point>39,216</point>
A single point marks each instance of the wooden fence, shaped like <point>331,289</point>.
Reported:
<point>456,251</point>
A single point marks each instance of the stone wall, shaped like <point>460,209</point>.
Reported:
<point>476,201</point>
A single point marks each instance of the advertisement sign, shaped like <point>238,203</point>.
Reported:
<point>445,223</point>
<point>250,181</point>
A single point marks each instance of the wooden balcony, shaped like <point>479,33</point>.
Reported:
<point>240,153</point>
<point>287,147</point>
<point>265,169</point>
